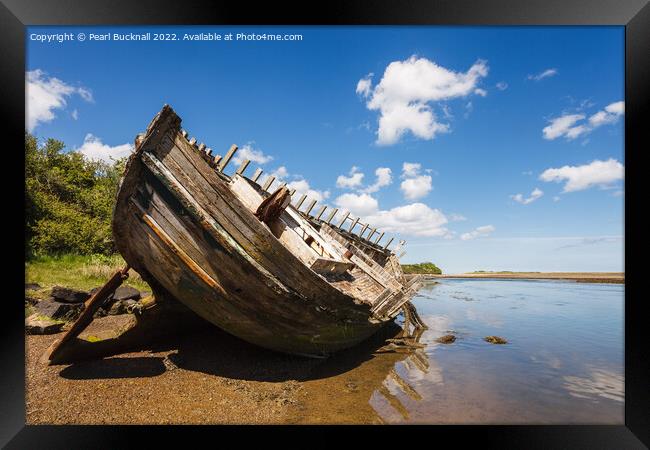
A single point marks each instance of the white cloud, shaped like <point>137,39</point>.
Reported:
<point>519,198</point>
<point>454,217</point>
<point>502,85</point>
<point>567,124</point>
<point>280,173</point>
<point>415,219</point>
<point>405,93</point>
<point>94,149</point>
<point>545,74</point>
<point>561,125</point>
<point>596,173</point>
<point>616,108</point>
<point>350,182</point>
<point>414,186</point>
<point>302,187</point>
<point>418,187</point>
<point>248,152</point>
<point>358,204</point>
<point>383,176</point>
<point>556,198</point>
<point>481,92</point>
<point>364,84</point>
<point>411,169</point>
<point>47,94</point>
<point>485,230</point>
<point>75,114</point>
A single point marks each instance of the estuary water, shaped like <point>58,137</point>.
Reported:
<point>563,363</point>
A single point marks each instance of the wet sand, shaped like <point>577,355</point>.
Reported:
<point>581,277</point>
<point>206,377</point>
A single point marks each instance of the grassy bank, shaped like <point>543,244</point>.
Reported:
<point>79,272</point>
<point>425,268</point>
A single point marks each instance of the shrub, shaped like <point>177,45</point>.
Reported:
<point>68,200</point>
<point>422,268</point>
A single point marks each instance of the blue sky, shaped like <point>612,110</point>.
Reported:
<point>487,113</point>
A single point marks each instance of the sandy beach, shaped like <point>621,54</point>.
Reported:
<point>205,377</point>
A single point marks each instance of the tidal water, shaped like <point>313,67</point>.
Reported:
<point>563,362</point>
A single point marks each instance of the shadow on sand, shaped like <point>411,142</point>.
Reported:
<point>210,350</point>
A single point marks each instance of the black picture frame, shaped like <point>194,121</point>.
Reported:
<point>15,15</point>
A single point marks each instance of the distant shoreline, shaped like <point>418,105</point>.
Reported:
<point>580,277</point>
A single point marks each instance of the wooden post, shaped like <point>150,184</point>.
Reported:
<point>331,216</point>
<point>379,238</point>
<point>208,151</point>
<point>386,246</point>
<point>300,202</point>
<point>354,224</point>
<point>373,231</point>
<point>363,230</point>
<point>192,141</point>
<point>226,159</point>
<point>201,147</point>
<point>257,174</point>
<point>344,219</point>
<point>291,192</point>
<point>310,207</point>
<point>320,213</point>
<point>184,133</point>
<point>216,159</point>
<point>269,181</point>
<point>242,167</point>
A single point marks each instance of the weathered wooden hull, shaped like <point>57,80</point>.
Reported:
<point>178,223</point>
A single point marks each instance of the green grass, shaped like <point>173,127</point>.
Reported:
<point>78,272</point>
<point>425,268</point>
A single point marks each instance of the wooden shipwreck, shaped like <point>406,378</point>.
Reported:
<point>247,260</point>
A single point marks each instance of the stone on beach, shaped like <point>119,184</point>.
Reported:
<point>126,293</point>
<point>121,307</point>
<point>446,339</point>
<point>495,340</point>
<point>38,324</point>
<point>68,295</point>
<point>57,310</point>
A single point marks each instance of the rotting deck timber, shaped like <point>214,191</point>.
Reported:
<point>178,223</point>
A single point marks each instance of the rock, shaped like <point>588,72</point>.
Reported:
<point>126,293</point>
<point>68,295</point>
<point>31,300</point>
<point>37,324</point>
<point>121,307</point>
<point>495,340</point>
<point>32,286</point>
<point>446,339</point>
<point>58,310</point>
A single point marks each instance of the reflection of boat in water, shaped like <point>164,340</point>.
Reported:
<point>361,375</point>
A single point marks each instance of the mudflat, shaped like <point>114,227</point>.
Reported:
<point>205,377</point>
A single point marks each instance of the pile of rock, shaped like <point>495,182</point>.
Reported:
<point>124,298</point>
<point>65,304</point>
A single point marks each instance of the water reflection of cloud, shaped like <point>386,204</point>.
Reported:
<point>545,357</point>
<point>600,383</point>
<point>487,318</point>
<point>437,323</point>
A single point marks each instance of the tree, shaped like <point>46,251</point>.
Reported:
<point>69,200</point>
